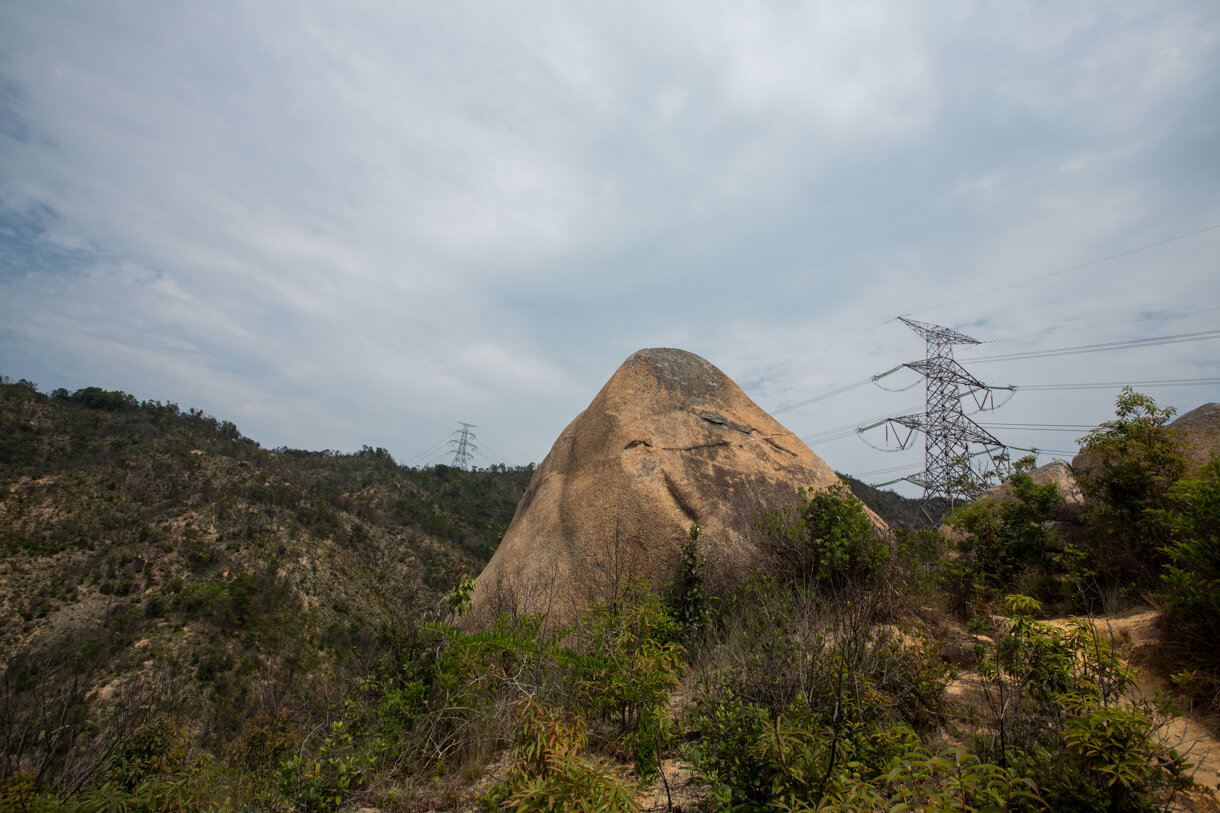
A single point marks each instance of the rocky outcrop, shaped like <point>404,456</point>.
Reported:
<point>1056,472</point>
<point>670,441</point>
<point>1198,432</point>
<point>1201,433</point>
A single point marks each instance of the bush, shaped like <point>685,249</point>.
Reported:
<point>805,696</point>
<point>688,593</point>
<point>1190,583</point>
<point>626,666</point>
<point>1000,541</point>
<point>1058,709</point>
<point>549,772</point>
<point>826,541</point>
<point>1132,463</point>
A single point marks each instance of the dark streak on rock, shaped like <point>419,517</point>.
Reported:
<point>672,487</point>
<point>716,419</point>
<point>780,448</point>
<point>696,448</point>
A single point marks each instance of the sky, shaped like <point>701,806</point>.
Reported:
<point>359,223</point>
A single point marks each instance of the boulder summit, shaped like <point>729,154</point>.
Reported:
<point>670,441</point>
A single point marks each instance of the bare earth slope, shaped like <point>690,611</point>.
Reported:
<point>670,441</point>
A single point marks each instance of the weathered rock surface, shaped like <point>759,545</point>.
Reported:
<point>1201,428</point>
<point>668,442</point>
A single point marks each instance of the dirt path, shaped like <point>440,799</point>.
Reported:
<point>1136,637</point>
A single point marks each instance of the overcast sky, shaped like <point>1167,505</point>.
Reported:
<point>339,224</point>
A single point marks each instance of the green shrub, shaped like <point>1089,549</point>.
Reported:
<point>1000,541</point>
<point>1132,463</point>
<point>549,772</point>
<point>956,780</point>
<point>322,781</point>
<point>805,696</point>
<point>688,594</point>
<point>626,665</point>
<point>1190,582</point>
<point>826,541</point>
<point>1058,709</point>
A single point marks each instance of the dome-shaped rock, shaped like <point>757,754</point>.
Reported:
<point>1201,430</point>
<point>668,442</point>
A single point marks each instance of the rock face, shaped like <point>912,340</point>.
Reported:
<point>668,442</point>
<point>1201,430</point>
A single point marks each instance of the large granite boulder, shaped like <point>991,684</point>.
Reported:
<point>670,441</point>
<point>1200,433</point>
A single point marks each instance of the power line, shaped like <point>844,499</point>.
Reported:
<point>1149,318</point>
<point>1126,253</point>
<point>1040,427</point>
<point>826,346</point>
<point>822,397</point>
<point>1102,385</point>
<point>1154,341</point>
<point>428,452</point>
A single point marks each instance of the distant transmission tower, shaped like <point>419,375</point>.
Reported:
<point>958,453</point>
<point>464,445</point>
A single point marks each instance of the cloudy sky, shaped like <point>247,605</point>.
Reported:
<point>358,223</point>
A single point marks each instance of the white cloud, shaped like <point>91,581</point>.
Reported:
<point>359,224</point>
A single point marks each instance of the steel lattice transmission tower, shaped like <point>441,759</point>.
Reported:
<point>464,446</point>
<point>953,442</point>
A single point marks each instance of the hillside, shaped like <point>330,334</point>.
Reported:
<point>191,622</point>
<point>895,509</point>
<point>146,549</point>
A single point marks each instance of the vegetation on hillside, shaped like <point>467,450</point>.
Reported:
<point>898,511</point>
<point>262,630</point>
<point>153,553</point>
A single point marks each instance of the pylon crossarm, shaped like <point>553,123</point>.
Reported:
<point>937,333</point>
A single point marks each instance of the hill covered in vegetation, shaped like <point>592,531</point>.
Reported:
<point>191,622</point>
<point>154,552</point>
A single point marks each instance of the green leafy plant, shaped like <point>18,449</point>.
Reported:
<point>1190,583</point>
<point>1129,466</point>
<point>629,662</point>
<point>826,541</point>
<point>999,541</point>
<point>549,771</point>
<point>1058,708</point>
<point>688,593</point>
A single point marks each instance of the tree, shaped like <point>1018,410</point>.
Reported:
<point>1128,467</point>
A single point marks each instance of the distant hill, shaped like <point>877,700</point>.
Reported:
<point>897,510</point>
<point>142,545</point>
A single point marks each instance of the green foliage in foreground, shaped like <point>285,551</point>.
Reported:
<point>814,691</point>
<point>1190,588</point>
<point>1054,732</point>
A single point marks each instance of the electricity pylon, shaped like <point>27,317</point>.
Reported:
<point>464,445</point>
<point>953,442</point>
